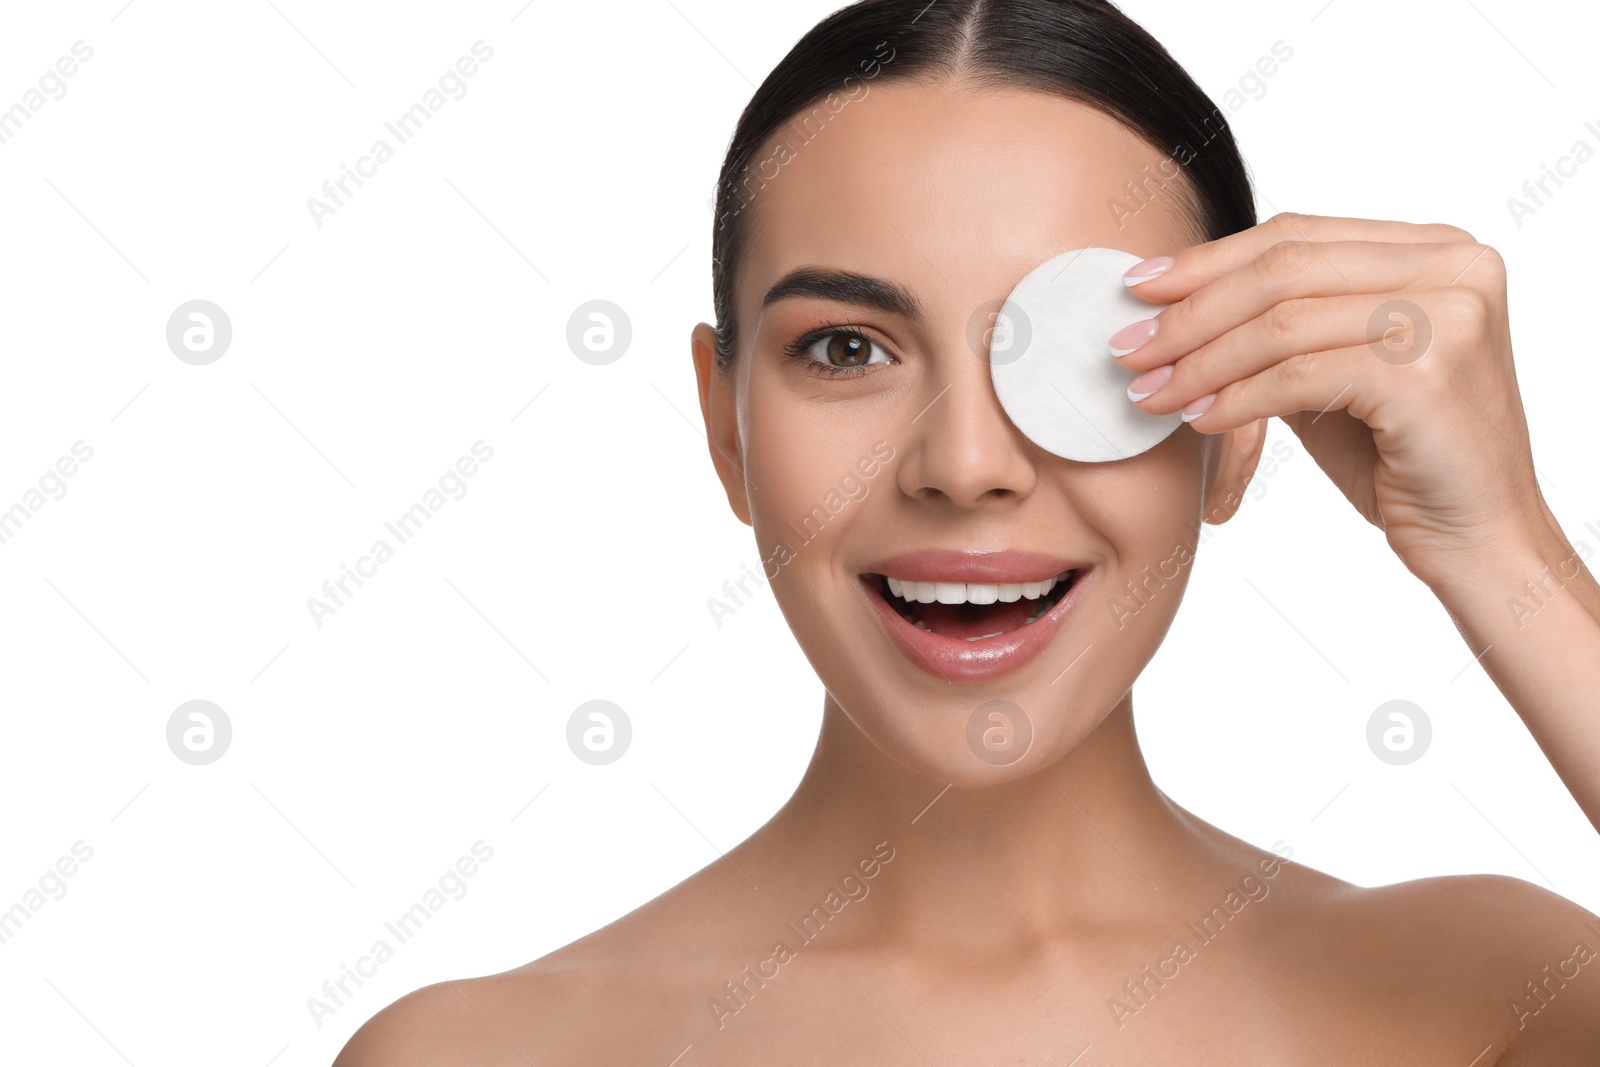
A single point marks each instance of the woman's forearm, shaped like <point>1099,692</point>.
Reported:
<point>1532,615</point>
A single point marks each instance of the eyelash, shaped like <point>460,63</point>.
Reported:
<point>796,350</point>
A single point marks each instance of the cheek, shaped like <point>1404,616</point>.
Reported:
<point>804,457</point>
<point>1150,518</point>
<point>1147,504</point>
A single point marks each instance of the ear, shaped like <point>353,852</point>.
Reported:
<point>719,410</point>
<point>1234,457</point>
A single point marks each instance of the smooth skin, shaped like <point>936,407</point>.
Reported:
<point>999,914</point>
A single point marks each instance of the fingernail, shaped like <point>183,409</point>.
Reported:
<point>1149,382</point>
<point>1132,337</point>
<point>1195,408</point>
<point>1150,268</point>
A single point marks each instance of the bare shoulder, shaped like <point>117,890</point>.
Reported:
<point>514,1018</point>
<point>1508,968</point>
<point>1518,953</point>
<point>1483,969</point>
<point>442,1024</point>
<point>651,967</point>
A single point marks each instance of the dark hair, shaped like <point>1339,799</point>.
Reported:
<point>1085,50</point>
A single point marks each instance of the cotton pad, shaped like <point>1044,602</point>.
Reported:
<point>1052,367</point>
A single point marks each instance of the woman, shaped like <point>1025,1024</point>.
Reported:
<point>977,866</point>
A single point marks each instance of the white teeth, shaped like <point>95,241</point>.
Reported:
<point>968,593</point>
<point>971,592</point>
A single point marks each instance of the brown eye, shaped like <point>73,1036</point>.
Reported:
<point>847,349</point>
<point>841,350</point>
<point>835,351</point>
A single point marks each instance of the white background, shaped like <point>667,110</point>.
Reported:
<point>426,314</point>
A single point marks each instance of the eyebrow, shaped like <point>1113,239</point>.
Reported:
<point>847,288</point>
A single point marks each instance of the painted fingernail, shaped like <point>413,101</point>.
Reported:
<point>1132,337</point>
<point>1150,268</point>
<point>1149,382</point>
<point>1195,408</point>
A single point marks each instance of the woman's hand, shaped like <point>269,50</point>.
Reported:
<point>1385,347</point>
<point>1421,428</point>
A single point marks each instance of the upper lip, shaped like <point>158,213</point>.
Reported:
<point>955,565</point>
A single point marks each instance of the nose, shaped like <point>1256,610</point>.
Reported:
<point>962,447</point>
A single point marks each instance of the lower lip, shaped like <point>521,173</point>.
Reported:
<point>954,658</point>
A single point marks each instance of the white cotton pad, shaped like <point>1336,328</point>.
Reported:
<point>1052,367</point>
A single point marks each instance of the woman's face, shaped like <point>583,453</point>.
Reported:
<point>882,452</point>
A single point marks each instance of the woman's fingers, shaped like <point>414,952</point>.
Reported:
<point>1288,328</point>
<point>1316,381</point>
<point>1295,271</point>
<point>1202,264</point>
<point>1318,376</point>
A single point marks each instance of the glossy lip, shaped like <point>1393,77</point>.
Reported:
<point>956,659</point>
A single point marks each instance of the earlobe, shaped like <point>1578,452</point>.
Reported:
<point>719,411</point>
<point>1238,452</point>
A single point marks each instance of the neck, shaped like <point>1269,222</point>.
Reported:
<point>1053,856</point>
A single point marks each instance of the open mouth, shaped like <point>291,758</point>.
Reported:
<point>972,611</point>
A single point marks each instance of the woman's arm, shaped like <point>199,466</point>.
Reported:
<point>1531,612</point>
<point>1386,348</point>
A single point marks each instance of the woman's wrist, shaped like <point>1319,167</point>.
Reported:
<point>1530,613</point>
<point>1502,589</point>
